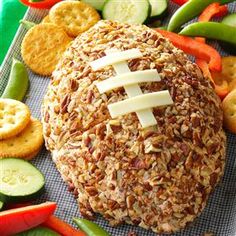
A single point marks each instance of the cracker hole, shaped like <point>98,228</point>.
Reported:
<point>10,144</point>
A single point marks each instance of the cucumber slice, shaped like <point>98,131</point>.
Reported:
<point>19,180</point>
<point>97,4</point>
<point>127,11</point>
<point>159,8</point>
<point>229,20</point>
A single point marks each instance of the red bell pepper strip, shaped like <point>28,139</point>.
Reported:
<point>179,2</point>
<point>17,220</point>
<point>195,48</point>
<point>62,227</point>
<point>212,10</point>
<point>209,12</point>
<point>45,4</point>
<point>223,11</point>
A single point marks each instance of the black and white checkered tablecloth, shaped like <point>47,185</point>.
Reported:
<point>219,217</point>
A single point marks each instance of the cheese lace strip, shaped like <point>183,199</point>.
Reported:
<point>118,61</point>
<point>128,79</point>
<point>140,102</point>
<point>114,58</point>
<point>145,117</point>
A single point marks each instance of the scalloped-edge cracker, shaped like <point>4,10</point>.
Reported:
<point>229,108</point>
<point>25,144</point>
<point>14,117</point>
<point>74,16</point>
<point>46,19</point>
<point>228,72</point>
<point>43,46</point>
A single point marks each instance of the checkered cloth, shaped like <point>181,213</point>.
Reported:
<point>219,217</point>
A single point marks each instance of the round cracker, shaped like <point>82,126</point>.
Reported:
<point>74,16</point>
<point>14,117</point>
<point>228,72</point>
<point>43,46</point>
<point>28,142</point>
<point>32,155</point>
<point>229,108</point>
<point>229,67</point>
<point>46,19</point>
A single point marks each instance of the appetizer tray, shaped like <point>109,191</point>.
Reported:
<point>218,218</point>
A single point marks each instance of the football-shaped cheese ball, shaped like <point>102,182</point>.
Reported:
<point>159,177</point>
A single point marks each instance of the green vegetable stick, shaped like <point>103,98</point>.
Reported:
<point>90,228</point>
<point>38,231</point>
<point>1,205</point>
<point>211,30</point>
<point>18,81</point>
<point>27,24</point>
<point>189,10</point>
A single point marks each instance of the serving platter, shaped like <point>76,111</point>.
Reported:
<point>218,218</point>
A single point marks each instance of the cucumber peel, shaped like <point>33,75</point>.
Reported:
<point>231,21</point>
<point>19,180</point>
<point>159,8</point>
<point>127,11</point>
<point>97,4</point>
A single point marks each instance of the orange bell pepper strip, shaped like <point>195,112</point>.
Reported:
<point>62,227</point>
<point>205,70</point>
<point>195,48</point>
<point>221,89</point>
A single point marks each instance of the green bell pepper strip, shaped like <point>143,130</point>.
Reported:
<point>211,30</point>
<point>27,24</point>
<point>90,228</point>
<point>189,10</point>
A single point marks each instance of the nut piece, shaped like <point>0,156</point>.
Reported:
<point>158,178</point>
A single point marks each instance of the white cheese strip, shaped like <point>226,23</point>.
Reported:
<point>115,57</point>
<point>140,102</point>
<point>129,78</point>
<point>145,117</point>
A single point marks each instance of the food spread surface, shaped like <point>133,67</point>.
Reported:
<point>159,177</point>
